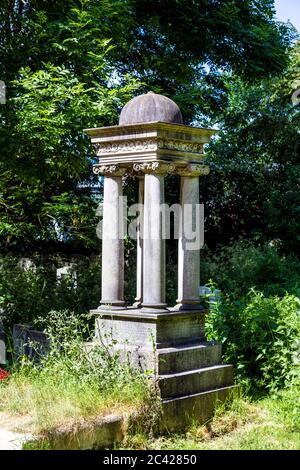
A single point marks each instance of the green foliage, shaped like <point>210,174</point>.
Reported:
<point>260,336</point>
<point>32,292</point>
<point>258,318</point>
<point>67,332</point>
<point>51,157</point>
<point>186,44</point>
<point>27,294</point>
<point>241,265</point>
<point>285,405</point>
<point>66,68</point>
<point>253,188</point>
<point>45,161</point>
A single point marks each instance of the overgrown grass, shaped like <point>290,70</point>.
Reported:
<point>271,423</point>
<point>55,396</point>
<point>72,384</point>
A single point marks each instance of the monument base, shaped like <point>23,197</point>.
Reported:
<point>172,346</point>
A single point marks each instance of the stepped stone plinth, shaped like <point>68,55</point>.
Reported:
<point>151,142</point>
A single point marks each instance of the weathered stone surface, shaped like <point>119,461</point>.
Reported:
<point>136,356</point>
<point>112,244</point>
<point>179,413</point>
<point>188,357</point>
<point>154,253</point>
<point>28,342</point>
<point>139,249</point>
<point>150,107</point>
<point>67,272</point>
<point>195,381</point>
<point>150,142</point>
<point>189,249</point>
<point>97,434</point>
<point>150,330</point>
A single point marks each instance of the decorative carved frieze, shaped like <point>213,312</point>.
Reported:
<point>109,170</point>
<point>180,146</point>
<point>158,168</point>
<point>193,169</point>
<point>147,145</point>
<point>124,147</point>
<point>155,167</point>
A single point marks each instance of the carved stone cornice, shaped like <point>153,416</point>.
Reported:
<point>109,170</point>
<point>157,168</point>
<point>128,146</point>
<point>148,142</point>
<point>193,169</point>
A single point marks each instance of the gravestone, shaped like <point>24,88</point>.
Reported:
<point>67,272</point>
<point>212,295</point>
<point>30,343</point>
<point>26,264</point>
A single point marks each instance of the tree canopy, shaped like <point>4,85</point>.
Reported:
<point>253,189</point>
<point>69,65</point>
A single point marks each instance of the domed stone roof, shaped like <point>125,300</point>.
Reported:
<point>150,107</point>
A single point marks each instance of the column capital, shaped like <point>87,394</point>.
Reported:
<point>155,168</point>
<point>193,169</point>
<point>109,170</point>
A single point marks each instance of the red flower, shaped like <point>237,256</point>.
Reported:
<point>3,374</point>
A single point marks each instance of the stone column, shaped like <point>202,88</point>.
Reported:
<point>189,248</point>
<point>112,238</point>
<point>139,249</point>
<point>154,253</point>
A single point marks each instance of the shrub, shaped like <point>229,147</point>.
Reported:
<point>242,265</point>
<point>260,336</point>
<point>26,294</point>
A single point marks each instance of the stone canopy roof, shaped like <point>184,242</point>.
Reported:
<point>149,108</point>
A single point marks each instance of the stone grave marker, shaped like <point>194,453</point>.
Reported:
<point>149,143</point>
<point>29,342</point>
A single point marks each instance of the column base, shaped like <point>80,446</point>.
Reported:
<point>108,305</point>
<point>142,332</point>
<point>152,308</point>
<point>189,305</point>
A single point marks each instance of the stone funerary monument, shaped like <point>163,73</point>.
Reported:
<point>150,142</point>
